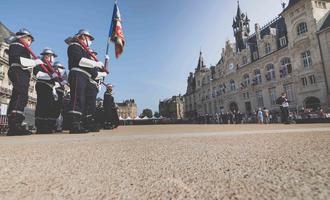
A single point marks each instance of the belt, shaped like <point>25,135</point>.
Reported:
<point>88,74</point>
<point>48,84</point>
<point>21,66</point>
<point>82,71</point>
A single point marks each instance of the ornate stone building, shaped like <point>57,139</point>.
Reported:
<point>283,55</point>
<point>127,109</point>
<point>5,84</point>
<point>172,108</point>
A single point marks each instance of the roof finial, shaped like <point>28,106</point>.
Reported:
<point>283,4</point>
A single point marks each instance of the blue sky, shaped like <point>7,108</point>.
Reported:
<point>163,38</point>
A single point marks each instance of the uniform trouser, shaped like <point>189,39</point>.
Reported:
<point>91,94</point>
<point>66,118</point>
<point>59,109</point>
<point>46,108</point>
<point>78,90</point>
<point>59,103</point>
<point>285,114</point>
<point>90,111</point>
<point>111,114</point>
<point>21,81</point>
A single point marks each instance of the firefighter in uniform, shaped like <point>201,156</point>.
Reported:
<point>47,97</point>
<point>19,74</point>
<point>111,119</point>
<point>92,90</point>
<point>82,70</point>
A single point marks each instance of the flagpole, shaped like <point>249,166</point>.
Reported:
<point>106,61</point>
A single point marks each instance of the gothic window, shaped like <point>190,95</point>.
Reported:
<point>232,85</point>
<point>286,67</point>
<point>246,96</point>
<point>306,59</point>
<point>272,95</point>
<point>270,72</point>
<point>246,79</point>
<point>289,91</point>
<point>302,28</point>
<point>260,99</point>
<point>312,79</point>
<point>257,77</point>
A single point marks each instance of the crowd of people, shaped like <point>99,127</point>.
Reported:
<point>264,115</point>
<point>71,98</point>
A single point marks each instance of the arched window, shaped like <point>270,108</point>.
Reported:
<point>286,67</point>
<point>270,72</point>
<point>246,79</point>
<point>257,77</point>
<point>232,85</point>
<point>302,28</point>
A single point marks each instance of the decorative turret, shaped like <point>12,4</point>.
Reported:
<point>200,62</point>
<point>241,27</point>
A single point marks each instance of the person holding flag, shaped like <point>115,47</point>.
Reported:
<point>92,90</point>
<point>82,70</point>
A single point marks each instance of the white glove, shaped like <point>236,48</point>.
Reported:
<point>64,82</point>
<point>107,57</point>
<point>57,85</point>
<point>100,75</point>
<point>38,62</point>
<point>99,64</point>
<point>55,95</point>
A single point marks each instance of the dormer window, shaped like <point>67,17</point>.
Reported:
<point>282,41</point>
<point>244,60</point>
<point>255,55</point>
<point>268,48</point>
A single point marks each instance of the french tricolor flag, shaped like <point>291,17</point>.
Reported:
<point>116,34</point>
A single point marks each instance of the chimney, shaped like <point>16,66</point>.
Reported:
<point>257,29</point>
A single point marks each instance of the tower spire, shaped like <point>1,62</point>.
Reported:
<point>241,28</point>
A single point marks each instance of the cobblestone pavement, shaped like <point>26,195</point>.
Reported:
<point>170,162</point>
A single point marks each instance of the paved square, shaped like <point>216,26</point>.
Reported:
<point>170,162</point>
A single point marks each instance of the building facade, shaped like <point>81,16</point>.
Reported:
<point>172,108</point>
<point>5,83</point>
<point>127,108</point>
<point>282,56</point>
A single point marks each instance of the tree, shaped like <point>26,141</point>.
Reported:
<point>146,112</point>
<point>156,114</point>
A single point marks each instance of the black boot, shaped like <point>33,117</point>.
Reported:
<point>108,126</point>
<point>18,129</point>
<point>76,125</point>
<point>91,125</point>
<point>15,126</point>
